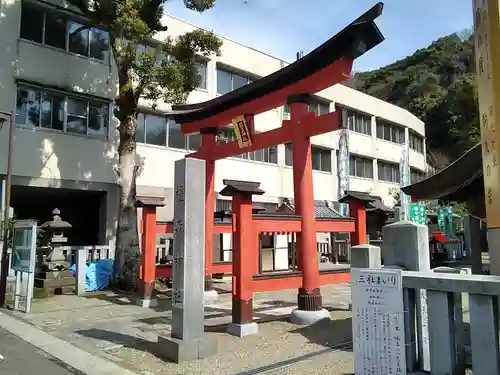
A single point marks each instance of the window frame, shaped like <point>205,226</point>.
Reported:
<point>231,73</point>
<point>68,17</point>
<point>383,124</point>
<point>413,139</point>
<point>322,151</point>
<point>226,135</point>
<point>352,125</point>
<point>353,166</point>
<point>90,102</point>
<point>395,172</point>
<point>416,173</point>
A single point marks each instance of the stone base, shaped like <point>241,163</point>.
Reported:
<point>210,296</point>
<point>55,282</point>
<point>242,330</point>
<point>307,318</point>
<point>178,350</point>
<point>146,302</point>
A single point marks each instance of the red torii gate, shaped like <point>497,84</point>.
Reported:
<point>324,67</point>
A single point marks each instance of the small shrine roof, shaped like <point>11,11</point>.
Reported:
<point>457,182</point>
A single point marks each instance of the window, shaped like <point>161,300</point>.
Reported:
<point>202,71</point>
<point>416,175</point>
<point>266,155</point>
<point>388,172</point>
<point>151,130</point>
<point>321,158</point>
<point>357,122</point>
<point>390,132</point>
<point>55,29</point>
<point>416,142</point>
<point>318,106</point>
<point>360,167</point>
<point>156,130</point>
<point>59,111</point>
<point>228,81</point>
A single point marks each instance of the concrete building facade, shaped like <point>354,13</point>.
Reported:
<point>59,80</point>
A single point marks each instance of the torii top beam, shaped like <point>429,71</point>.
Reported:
<point>327,65</point>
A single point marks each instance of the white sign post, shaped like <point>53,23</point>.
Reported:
<point>378,322</point>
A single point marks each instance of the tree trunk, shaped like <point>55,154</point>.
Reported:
<point>127,255</point>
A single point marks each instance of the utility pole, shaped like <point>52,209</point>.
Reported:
<point>4,260</point>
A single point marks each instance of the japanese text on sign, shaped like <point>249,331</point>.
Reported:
<point>241,132</point>
<point>378,322</point>
<point>486,35</point>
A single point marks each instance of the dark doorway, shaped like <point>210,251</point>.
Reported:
<point>81,208</point>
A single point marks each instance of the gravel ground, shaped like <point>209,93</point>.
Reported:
<point>279,348</point>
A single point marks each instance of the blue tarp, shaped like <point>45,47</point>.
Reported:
<point>97,274</point>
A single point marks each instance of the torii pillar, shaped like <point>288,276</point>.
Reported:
<point>310,303</point>
<point>245,250</point>
<point>357,202</point>
<point>148,249</point>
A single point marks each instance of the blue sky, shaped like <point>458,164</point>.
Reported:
<point>283,27</point>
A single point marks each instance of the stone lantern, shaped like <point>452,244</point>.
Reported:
<point>54,233</point>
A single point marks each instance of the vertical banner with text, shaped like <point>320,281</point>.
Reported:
<point>241,132</point>
<point>487,51</point>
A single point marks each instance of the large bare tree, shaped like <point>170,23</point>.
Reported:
<point>164,71</point>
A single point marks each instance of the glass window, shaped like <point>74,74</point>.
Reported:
<point>324,108</point>
<point>57,111</point>
<point>77,116</point>
<point>175,137</point>
<point>140,133</point>
<point>28,107</point>
<point>98,119</point>
<point>355,121</point>
<point>31,23</point>
<point>272,155</point>
<point>224,83</point>
<point>52,28</point>
<point>55,30</point>
<point>288,154</point>
<point>326,161</point>
<point>99,44</point>
<point>78,38</point>
<point>156,130</point>
<point>202,71</point>
<point>239,81</point>
<point>194,142</point>
<point>360,167</point>
<point>316,158</point>
<point>388,172</point>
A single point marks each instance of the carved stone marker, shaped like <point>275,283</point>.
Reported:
<point>188,341</point>
<point>378,322</point>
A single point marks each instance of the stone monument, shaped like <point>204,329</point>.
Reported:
<point>52,273</point>
<point>188,341</point>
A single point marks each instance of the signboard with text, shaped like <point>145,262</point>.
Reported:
<point>241,132</point>
<point>378,322</point>
<point>487,51</point>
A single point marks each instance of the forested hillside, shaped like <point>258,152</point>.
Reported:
<point>438,85</point>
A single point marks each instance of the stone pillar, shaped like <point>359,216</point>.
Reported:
<point>187,340</point>
<point>472,230</point>
<point>365,256</point>
<point>406,245</point>
<point>309,300</point>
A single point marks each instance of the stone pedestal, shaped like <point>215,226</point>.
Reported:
<point>56,282</point>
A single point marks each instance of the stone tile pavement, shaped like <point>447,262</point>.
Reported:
<point>110,326</point>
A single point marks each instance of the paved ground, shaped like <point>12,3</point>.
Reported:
<point>109,326</point>
<point>20,358</point>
